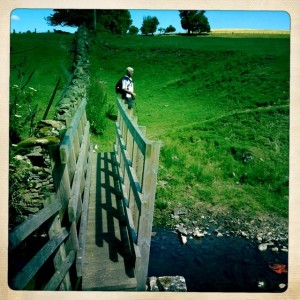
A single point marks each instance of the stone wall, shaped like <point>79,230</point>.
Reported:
<point>77,90</point>
<point>32,161</point>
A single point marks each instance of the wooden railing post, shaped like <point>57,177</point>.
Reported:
<point>138,164</point>
<point>146,218</point>
<point>60,256</point>
<point>62,182</point>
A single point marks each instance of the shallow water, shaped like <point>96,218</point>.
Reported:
<point>216,264</point>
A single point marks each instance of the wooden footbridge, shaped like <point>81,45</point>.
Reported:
<point>99,220</point>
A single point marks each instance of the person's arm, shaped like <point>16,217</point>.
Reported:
<point>129,92</point>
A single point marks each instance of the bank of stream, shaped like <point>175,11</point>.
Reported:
<point>215,263</point>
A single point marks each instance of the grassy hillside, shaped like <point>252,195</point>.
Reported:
<point>189,79</point>
<point>221,107</point>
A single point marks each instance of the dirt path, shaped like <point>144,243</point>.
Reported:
<point>232,113</point>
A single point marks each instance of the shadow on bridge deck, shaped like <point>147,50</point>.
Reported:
<point>108,263</point>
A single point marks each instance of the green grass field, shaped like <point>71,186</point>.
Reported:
<point>181,80</point>
<point>219,104</point>
<point>42,59</point>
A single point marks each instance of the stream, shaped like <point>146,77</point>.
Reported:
<point>216,264</point>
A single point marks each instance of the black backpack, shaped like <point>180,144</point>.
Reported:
<point>119,89</point>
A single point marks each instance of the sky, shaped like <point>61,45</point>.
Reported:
<point>23,20</point>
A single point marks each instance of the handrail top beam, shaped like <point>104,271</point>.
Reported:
<point>134,129</point>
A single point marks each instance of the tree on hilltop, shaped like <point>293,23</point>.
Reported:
<point>149,25</point>
<point>133,30</point>
<point>115,21</point>
<point>170,29</point>
<point>194,20</point>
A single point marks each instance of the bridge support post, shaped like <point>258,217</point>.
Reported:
<point>147,209</point>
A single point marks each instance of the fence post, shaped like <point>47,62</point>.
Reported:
<point>139,159</point>
<point>60,174</point>
<point>147,209</point>
<point>61,254</point>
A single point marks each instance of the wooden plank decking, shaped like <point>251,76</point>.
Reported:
<point>107,260</point>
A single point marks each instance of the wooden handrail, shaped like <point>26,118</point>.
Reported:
<point>137,159</point>
<point>137,134</point>
<point>60,274</point>
<point>76,188</point>
<point>84,217</point>
<point>66,144</point>
<point>18,234</point>
<point>27,273</point>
